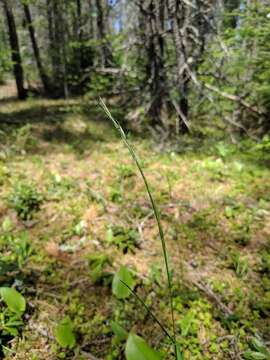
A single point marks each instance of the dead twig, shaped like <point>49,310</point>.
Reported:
<point>232,97</point>
<point>212,296</point>
<point>89,356</point>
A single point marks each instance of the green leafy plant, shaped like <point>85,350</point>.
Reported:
<point>64,333</point>
<point>137,348</point>
<point>25,200</point>
<point>239,264</point>
<point>216,168</point>
<point>13,299</point>
<point>98,264</point>
<point>123,283</point>
<point>22,248</point>
<point>223,150</point>
<point>59,186</point>
<point>126,239</point>
<point>264,146</point>
<point>119,332</point>
<point>15,250</point>
<point>125,171</point>
<point>11,313</point>
<point>265,262</point>
<point>241,233</point>
<point>186,323</point>
<point>23,139</point>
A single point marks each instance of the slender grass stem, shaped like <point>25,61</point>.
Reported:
<point>156,212</point>
<point>150,312</point>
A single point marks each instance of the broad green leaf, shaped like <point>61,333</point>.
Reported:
<point>13,299</point>
<point>122,277</point>
<point>119,331</point>
<point>64,333</point>
<point>137,349</point>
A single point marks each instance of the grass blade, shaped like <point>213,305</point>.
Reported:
<point>149,311</point>
<point>156,212</point>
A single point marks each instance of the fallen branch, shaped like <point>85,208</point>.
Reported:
<point>196,281</point>
<point>212,296</point>
<point>235,98</point>
<point>182,116</point>
<point>89,356</point>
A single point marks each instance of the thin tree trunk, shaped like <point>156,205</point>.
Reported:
<point>106,54</point>
<point>92,23</point>
<point>54,30</point>
<point>79,20</point>
<point>43,76</point>
<point>177,14</point>
<point>15,50</point>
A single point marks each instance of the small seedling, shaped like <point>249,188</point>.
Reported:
<point>239,264</point>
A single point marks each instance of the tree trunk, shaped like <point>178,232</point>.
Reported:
<point>92,23</point>
<point>43,76</point>
<point>178,17</point>
<point>54,40</point>
<point>57,37</point>
<point>15,50</point>
<point>153,16</point>
<point>105,51</point>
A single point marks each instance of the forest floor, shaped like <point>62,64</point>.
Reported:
<point>95,215</point>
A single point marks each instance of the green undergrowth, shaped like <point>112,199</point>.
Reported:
<point>73,211</point>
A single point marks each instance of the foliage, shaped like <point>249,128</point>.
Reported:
<point>64,333</point>
<point>14,300</point>
<point>123,283</point>
<point>239,264</point>
<point>244,66</point>
<point>15,248</point>
<point>25,200</point>
<point>59,186</point>
<point>5,62</point>
<point>97,265</point>
<point>263,147</point>
<point>11,316</point>
<point>265,261</point>
<point>119,331</point>
<point>137,348</point>
<point>259,350</point>
<point>124,238</point>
